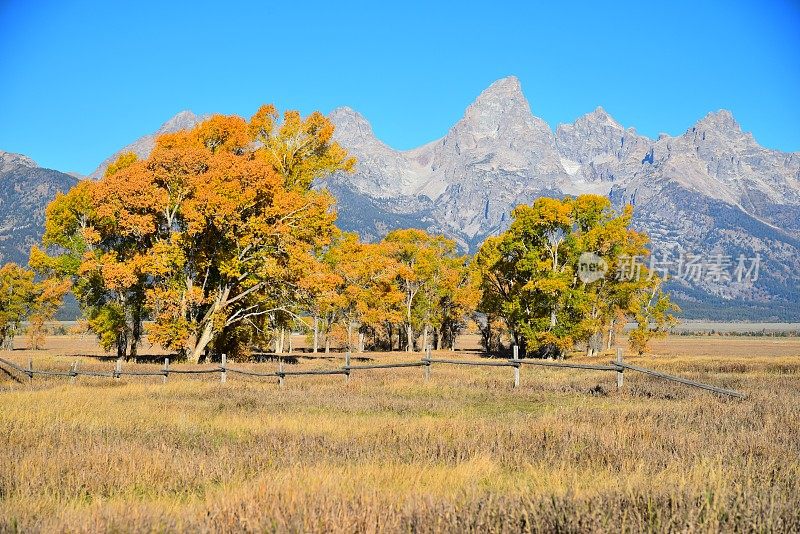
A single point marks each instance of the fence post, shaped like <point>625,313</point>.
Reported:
<point>619,369</point>
<point>347,366</point>
<point>117,369</point>
<point>166,371</point>
<point>223,376</point>
<point>428,363</point>
<point>74,372</point>
<point>281,376</point>
<point>516,366</point>
<point>30,371</point>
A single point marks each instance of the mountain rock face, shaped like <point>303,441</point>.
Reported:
<point>9,161</point>
<point>144,145</point>
<point>25,191</point>
<point>498,155</point>
<point>712,193</point>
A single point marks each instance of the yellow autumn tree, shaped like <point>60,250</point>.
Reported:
<point>210,236</point>
<point>23,298</point>
<point>530,276</point>
<point>85,246</point>
<point>434,280</point>
<point>236,224</point>
<point>366,296</point>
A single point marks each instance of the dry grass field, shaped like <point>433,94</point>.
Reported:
<point>388,451</point>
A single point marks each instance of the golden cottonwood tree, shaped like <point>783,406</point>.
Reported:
<point>433,280</point>
<point>16,299</point>
<point>210,234</point>
<point>81,245</point>
<point>239,221</point>
<point>382,304</point>
<point>48,297</point>
<point>454,300</point>
<point>322,286</point>
<point>366,295</point>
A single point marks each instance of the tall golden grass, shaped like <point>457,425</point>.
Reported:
<point>389,452</point>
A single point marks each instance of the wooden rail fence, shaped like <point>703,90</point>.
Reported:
<point>619,366</point>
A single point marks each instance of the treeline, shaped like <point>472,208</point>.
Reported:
<point>219,241</point>
<point>751,333</point>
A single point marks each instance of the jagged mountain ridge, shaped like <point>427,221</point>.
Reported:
<point>501,141</point>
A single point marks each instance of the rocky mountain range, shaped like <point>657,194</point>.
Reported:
<point>711,193</point>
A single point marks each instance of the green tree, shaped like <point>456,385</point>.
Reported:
<point>530,274</point>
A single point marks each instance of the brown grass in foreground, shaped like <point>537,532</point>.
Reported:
<point>389,452</point>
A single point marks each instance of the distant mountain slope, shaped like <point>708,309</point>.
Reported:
<point>25,191</point>
<point>144,145</point>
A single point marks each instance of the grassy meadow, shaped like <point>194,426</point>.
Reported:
<point>388,451</point>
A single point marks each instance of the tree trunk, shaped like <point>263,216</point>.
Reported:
<point>425,338</point>
<point>361,341</point>
<point>597,343</point>
<point>279,342</point>
<point>327,343</point>
<point>350,336</point>
<point>134,352</point>
<point>409,328</point>
<point>122,346</point>
<point>136,330</point>
<point>136,336</point>
<point>202,343</point>
<point>316,334</point>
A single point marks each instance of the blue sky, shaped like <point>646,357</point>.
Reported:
<point>80,79</point>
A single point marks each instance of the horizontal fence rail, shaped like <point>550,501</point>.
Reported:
<point>566,365</point>
<point>618,366</point>
<point>684,381</point>
<point>468,362</point>
<point>385,365</point>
